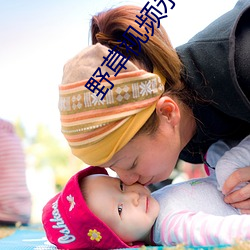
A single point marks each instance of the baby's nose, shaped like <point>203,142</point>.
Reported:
<point>133,197</point>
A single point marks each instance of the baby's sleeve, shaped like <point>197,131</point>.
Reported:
<point>201,229</point>
<point>214,153</point>
<point>233,159</point>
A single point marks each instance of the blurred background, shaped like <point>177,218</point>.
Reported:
<point>36,39</point>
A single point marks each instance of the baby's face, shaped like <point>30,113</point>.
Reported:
<point>130,211</point>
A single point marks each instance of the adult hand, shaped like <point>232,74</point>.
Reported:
<point>240,198</point>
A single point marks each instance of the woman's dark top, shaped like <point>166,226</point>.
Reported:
<point>217,67</point>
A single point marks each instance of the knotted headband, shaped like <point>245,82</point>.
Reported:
<point>96,129</point>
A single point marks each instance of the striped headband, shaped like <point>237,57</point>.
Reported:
<point>97,128</point>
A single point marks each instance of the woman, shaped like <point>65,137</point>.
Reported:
<point>140,123</point>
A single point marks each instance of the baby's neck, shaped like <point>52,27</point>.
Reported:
<point>148,239</point>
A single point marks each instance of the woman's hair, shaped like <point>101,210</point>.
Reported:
<point>107,28</point>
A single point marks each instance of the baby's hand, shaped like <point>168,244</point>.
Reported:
<point>240,198</point>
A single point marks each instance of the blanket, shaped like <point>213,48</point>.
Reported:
<point>33,238</point>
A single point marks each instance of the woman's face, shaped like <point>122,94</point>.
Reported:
<point>147,159</point>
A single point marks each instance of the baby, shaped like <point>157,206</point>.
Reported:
<point>96,211</point>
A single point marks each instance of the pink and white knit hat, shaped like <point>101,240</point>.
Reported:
<point>69,223</point>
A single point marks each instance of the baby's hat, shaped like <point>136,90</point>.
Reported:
<point>69,223</point>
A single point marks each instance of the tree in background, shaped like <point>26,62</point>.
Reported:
<point>44,150</point>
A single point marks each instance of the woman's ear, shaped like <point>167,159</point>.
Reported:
<point>168,110</point>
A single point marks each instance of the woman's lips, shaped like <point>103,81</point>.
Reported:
<point>148,183</point>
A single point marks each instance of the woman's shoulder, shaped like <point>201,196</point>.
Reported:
<point>209,65</point>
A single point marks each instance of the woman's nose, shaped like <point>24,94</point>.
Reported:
<point>126,177</point>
